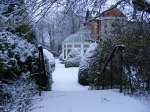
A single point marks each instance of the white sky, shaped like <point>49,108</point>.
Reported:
<point>111,2</point>
<point>148,1</point>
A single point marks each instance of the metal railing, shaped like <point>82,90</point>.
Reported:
<point>124,79</point>
<point>101,79</point>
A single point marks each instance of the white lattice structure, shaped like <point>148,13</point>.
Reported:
<point>79,41</point>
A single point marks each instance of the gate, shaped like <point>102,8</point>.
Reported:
<point>124,81</point>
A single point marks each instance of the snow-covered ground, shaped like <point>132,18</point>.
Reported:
<point>69,96</point>
<point>65,79</point>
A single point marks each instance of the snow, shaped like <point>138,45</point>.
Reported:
<point>24,49</point>
<point>148,1</point>
<point>89,101</point>
<point>91,49</point>
<point>74,53</point>
<point>88,54</point>
<point>65,79</point>
<point>73,58</point>
<point>69,96</point>
<point>49,55</point>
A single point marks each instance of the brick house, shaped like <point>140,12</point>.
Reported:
<point>110,21</point>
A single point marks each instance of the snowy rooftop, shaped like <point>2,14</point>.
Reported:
<point>81,36</point>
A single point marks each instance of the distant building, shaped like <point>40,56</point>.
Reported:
<point>110,21</point>
<point>114,23</point>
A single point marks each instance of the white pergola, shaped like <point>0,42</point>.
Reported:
<point>79,41</point>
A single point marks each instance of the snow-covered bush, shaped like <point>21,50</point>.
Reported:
<point>50,60</point>
<point>83,76</point>
<point>61,57</point>
<point>49,66</point>
<point>18,58</point>
<point>18,95</point>
<point>73,59</point>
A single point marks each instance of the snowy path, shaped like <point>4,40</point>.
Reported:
<point>69,96</point>
<point>66,79</point>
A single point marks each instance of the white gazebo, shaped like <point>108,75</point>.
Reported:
<point>79,41</point>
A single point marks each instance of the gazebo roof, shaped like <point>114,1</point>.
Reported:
<point>82,35</point>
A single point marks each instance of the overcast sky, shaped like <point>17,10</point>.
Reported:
<point>148,1</point>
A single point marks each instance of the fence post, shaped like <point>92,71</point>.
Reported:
<point>103,80</point>
<point>42,59</point>
<point>121,68</point>
<point>42,72</point>
<point>147,84</point>
<point>111,77</point>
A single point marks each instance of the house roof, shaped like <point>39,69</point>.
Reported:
<point>115,12</point>
<point>82,35</point>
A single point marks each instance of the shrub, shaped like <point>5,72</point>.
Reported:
<point>73,59</point>
<point>91,53</point>
<point>17,56</point>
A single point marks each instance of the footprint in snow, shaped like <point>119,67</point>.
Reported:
<point>104,100</point>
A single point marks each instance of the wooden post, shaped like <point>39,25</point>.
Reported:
<point>98,82</point>
<point>111,77</point>
<point>40,71</point>
<point>147,84</point>
<point>103,80</point>
<point>121,68</point>
<point>42,60</point>
<point>43,81</point>
<point>130,83</point>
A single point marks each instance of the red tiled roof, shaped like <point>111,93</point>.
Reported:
<point>115,12</point>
